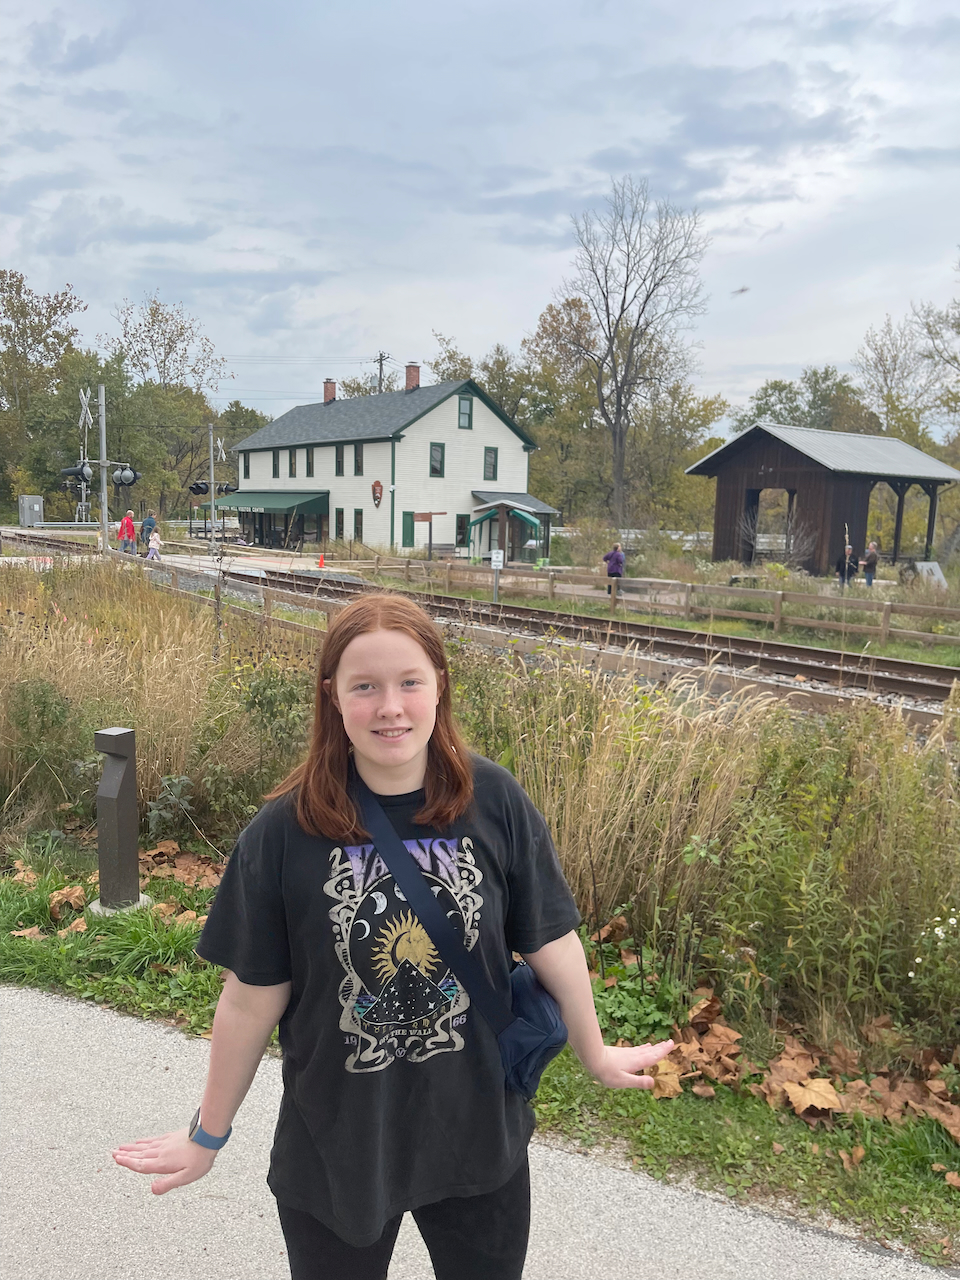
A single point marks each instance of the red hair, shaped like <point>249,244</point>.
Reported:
<point>324,806</point>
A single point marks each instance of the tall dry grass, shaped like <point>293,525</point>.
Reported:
<point>87,646</point>
<point>798,856</point>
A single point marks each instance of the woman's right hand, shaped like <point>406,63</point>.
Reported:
<point>172,1155</point>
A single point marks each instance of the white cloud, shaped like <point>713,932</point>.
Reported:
<point>327,181</point>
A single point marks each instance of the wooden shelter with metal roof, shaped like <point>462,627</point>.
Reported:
<point>828,477</point>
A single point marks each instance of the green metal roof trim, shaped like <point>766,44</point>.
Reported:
<point>532,521</point>
<point>279,502</point>
<point>366,418</point>
<point>525,500</point>
<point>843,451</point>
<point>490,515</point>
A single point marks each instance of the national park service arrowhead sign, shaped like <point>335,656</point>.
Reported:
<point>377,488</point>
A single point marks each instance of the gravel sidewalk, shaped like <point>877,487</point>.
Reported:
<point>78,1079</point>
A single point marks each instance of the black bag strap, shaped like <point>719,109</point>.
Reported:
<point>402,866</point>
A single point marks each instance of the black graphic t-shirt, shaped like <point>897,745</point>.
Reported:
<point>394,1092</point>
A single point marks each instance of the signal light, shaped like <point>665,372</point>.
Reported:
<point>226,488</point>
<point>126,476</point>
<point>199,487</point>
<point>82,471</point>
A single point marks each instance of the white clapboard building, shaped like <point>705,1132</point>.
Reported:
<point>362,469</point>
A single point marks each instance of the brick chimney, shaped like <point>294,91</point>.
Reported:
<point>413,377</point>
<point>329,390</point>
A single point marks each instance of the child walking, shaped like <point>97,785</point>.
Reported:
<point>155,544</point>
<point>394,1090</point>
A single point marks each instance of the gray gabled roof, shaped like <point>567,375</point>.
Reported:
<point>525,501</point>
<point>842,451</point>
<point>375,417</point>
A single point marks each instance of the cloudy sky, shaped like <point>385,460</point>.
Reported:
<point>317,181</point>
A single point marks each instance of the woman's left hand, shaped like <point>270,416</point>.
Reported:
<point>620,1068</point>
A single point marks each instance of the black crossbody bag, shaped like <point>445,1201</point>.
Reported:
<point>529,1031</point>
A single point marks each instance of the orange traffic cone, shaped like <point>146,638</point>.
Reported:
<point>320,562</point>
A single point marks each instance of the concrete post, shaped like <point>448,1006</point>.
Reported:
<point>118,826</point>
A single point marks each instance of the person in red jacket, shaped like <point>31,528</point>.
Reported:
<point>127,534</point>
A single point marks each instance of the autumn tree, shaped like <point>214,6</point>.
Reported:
<point>163,344</point>
<point>901,384</point>
<point>668,433</point>
<point>939,329</point>
<point>368,384</point>
<point>571,467</point>
<point>637,270</point>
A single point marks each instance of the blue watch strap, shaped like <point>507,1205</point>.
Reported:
<point>200,1136</point>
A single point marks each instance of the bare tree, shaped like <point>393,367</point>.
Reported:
<point>637,267</point>
<point>901,385</point>
<point>165,345</point>
<point>940,328</point>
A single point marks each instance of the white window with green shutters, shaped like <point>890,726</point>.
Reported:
<point>465,418</point>
<point>437,460</point>
<point>490,463</point>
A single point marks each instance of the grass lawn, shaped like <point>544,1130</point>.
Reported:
<point>144,964</point>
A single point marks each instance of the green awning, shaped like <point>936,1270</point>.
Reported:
<point>279,502</point>
<point>487,515</point>
<point>532,521</point>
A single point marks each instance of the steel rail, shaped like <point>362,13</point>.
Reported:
<point>918,681</point>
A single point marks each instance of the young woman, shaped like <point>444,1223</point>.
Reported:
<point>394,1095</point>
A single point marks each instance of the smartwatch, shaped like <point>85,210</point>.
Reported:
<point>199,1135</point>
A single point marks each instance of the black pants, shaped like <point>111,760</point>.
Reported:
<point>469,1238</point>
<point>610,576</point>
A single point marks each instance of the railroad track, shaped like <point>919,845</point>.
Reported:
<point>919,682</point>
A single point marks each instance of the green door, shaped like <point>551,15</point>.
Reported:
<point>408,528</point>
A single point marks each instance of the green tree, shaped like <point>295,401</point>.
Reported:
<point>821,398</point>
<point>36,333</point>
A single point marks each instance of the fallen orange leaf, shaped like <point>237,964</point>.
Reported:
<point>73,896</point>
<point>79,926</point>
<point>32,932</point>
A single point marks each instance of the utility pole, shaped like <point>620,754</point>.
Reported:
<point>382,358</point>
<point>213,499</point>
<point>104,512</point>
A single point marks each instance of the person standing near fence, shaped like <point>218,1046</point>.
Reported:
<point>614,560</point>
<point>395,1092</point>
<point>870,564</point>
<point>127,535</point>
<point>848,566</point>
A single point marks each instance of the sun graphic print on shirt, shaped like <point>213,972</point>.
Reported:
<point>398,998</point>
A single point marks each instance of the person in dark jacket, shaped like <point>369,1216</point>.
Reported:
<point>848,566</point>
<point>146,528</point>
<point>870,564</point>
<point>614,561</point>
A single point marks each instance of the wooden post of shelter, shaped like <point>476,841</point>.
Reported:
<point>932,492</point>
<point>900,488</point>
